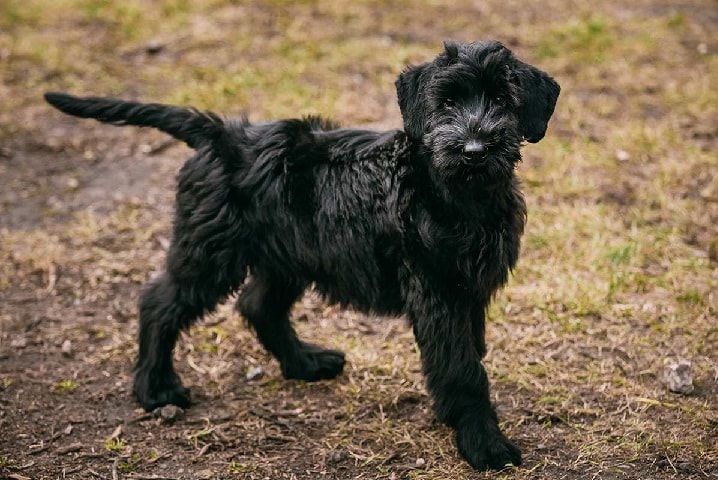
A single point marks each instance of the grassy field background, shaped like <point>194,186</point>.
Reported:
<point>618,275</point>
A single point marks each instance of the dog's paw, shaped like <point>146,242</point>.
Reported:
<point>314,363</point>
<point>153,391</point>
<point>485,447</point>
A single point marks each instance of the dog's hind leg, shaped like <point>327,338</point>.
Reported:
<point>203,268</point>
<point>169,305</point>
<point>265,302</point>
<point>451,340</point>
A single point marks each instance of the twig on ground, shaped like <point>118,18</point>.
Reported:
<point>142,418</point>
<point>671,464</point>
<point>73,447</point>
<point>39,449</point>
<point>203,450</point>
<point>270,417</point>
<point>72,470</point>
<point>17,476</point>
<point>159,457</point>
<point>139,476</point>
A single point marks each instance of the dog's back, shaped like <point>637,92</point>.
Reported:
<point>324,207</point>
<point>302,196</point>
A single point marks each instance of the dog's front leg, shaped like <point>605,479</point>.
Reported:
<point>450,335</point>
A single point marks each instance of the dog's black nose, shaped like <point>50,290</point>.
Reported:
<point>475,149</point>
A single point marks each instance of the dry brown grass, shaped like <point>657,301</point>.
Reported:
<point>619,271</point>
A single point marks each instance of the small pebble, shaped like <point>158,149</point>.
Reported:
<point>685,466</point>
<point>623,156</point>
<point>678,376</point>
<point>154,47</point>
<point>20,342</point>
<point>420,462</point>
<point>169,413</point>
<point>337,456</point>
<point>255,373</point>
<point>66,348</point>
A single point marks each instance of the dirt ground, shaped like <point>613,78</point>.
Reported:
<point>618,276</point>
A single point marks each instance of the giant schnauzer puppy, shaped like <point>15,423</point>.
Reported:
<point>424,222</point>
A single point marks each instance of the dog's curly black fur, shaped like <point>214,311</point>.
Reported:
<point>424,222</point>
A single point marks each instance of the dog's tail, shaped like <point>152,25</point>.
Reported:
<point>193,127</point>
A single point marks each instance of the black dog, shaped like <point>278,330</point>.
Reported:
<point>424,222</point>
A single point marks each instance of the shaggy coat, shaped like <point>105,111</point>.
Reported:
<point>424,222</point>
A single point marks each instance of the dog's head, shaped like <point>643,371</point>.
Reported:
<point>474,105</point>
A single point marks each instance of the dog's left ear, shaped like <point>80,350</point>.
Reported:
<point>538,95</point>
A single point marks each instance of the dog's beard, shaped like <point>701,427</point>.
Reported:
<point>447,141</point>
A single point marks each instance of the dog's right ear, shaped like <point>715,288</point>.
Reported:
<point>410,90</point>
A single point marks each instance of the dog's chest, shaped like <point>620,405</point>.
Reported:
<point>473,254</point>
<point>482,257</point>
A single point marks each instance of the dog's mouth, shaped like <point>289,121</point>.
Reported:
<point>483,157</point>
<point>486,165</point>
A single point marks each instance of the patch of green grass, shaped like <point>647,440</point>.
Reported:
<point>621,255</point>
<point>64,386</point>
<point>6,462</point>
<point>206,347</point>
<point>197,436</point>
<point>16,13</point>
<point>585,40</point>
<point>536,370</point>
<point>239,468</point>
<point>116,445</point>
<point>176,8</point>
<point>676,20</point>
<point>691,297</point>
<point>210,339</point>
<point>129,464</point>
